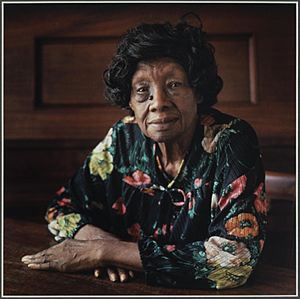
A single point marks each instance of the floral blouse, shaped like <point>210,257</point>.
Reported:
<point>204,228</point>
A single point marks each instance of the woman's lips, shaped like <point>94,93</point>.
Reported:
<point>163,123</point>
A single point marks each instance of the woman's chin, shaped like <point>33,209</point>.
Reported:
<point>164,136</point>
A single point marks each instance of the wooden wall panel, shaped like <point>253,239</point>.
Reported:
<point>69,70</point>
<point>232,56</point>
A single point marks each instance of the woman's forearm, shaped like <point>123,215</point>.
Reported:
<point>114,252</point>
<point>91,232</point>
<point>121,254</point>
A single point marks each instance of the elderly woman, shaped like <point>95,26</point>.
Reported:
<point>176,189</point>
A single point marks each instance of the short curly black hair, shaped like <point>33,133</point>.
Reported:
<point>184,43</point>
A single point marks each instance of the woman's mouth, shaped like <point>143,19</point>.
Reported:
<point>163,123</point>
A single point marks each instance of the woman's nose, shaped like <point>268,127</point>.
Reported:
<point>160,101</point>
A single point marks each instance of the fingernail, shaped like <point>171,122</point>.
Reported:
<point>123,277</point>
<point>113,277</point>
<point>97,273</point>
<point>24,258</point>
<point>30,265</point>
<point>25,261</point>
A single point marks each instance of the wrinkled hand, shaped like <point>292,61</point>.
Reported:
<point>68,256</point>
<point>90,232</point>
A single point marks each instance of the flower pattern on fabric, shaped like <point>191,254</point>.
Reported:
<point>119,206</point>
<point>150,191</point>
<point>64,226</point>
<point>182,198</point>
<point>261,203</point>
<point>261,245</point>
<point>226,253</point>
<point>243,225</point>
<point>214,201</point>
<point>230,277</point>
<point>101,162</point>
<point>170,247</point>
<point>211,136</point>
<point>138,178</point>
<point>233,191</point>
<point>134,231</point>
<point>128,119</point>
<point>197,182</point>
<point>160,231</point>
<point>61,190</point>
<point>191,205</point>
<point>64,202</point>
<point>106,143</point>
<point>51,214</point>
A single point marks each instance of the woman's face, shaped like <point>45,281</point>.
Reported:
<point>164,105</point>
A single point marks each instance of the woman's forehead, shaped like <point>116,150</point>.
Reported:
<point>158,66</point>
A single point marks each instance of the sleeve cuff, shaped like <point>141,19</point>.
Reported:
<point>66,226</point>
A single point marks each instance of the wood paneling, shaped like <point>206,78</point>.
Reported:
<point>69,70</point>
<point>232,56</point>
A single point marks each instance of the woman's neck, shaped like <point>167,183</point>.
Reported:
<point>172,153</point>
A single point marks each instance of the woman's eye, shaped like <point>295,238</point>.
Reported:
<point>141,94</point>
<point>174,84</point>
<point>141,90</point>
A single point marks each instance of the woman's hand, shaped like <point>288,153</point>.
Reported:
<point>78,255</point>
<point>91,232</point>
<point>68,256</point>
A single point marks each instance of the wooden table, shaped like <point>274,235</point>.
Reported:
<point>24,236</point>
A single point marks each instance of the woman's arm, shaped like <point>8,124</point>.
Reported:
<point>91,232</point>
<point>83,200</point>
<point>78,255</point>
<point>79,209</point>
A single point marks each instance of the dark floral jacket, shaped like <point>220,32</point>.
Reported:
<point>205,228</point>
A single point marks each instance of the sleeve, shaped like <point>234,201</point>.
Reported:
<point>83,200</point>
<point>236,234</point>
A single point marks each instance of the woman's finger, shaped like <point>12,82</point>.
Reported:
<point>112,275</point>
<point>35,260</point>
<point>123,275</point>
<point>98,272</point>
<point>29,257</point>
<point>43,266</point>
